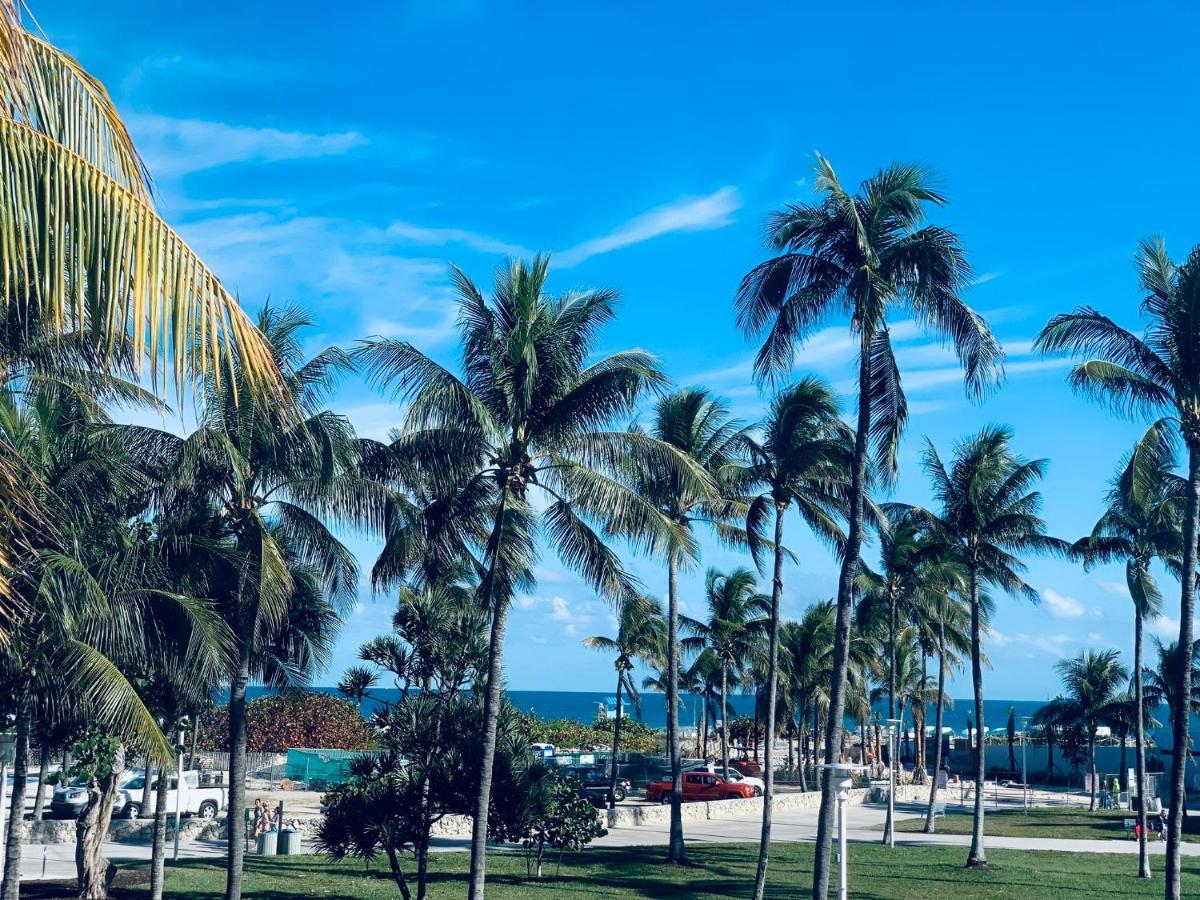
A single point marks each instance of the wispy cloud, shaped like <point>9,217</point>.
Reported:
<point>175,147</point>
<point>437,237</point>
<point>686,214</point>
<point>984,278</point>
<point>1165,627</point>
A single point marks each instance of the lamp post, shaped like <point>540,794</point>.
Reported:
<point>842,773</point>
<point>893,744</point>
<point>178,790</point>
<point>1024,768</point>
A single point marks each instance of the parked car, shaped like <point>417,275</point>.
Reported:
<point>594,783</point>
<point>70,799</point>
<point>204,802</point>
<point>700,786</point>
<point>734,774</point>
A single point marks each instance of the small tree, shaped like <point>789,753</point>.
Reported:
<point>99,758</point>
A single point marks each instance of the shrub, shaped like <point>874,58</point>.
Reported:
<point>636,737</point>
<point>297,719</point>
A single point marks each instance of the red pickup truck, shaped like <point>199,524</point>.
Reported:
<point>699,786</point>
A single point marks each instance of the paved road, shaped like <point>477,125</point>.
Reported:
<point>57,861</point>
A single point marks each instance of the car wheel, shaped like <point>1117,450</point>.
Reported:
<point>665,798</point>
<point>732,796</point>
<point>208,810</point>
<point>131,811</point>
<point>619,795</point>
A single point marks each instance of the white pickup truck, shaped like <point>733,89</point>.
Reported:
<point>204,802</point>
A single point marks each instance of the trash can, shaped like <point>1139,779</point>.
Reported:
<point>268,843</point>
<point>289,842</point>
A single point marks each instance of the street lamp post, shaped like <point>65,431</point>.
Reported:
<point>842,773</point>
<point>893,744</point>
<point>1024,767</point>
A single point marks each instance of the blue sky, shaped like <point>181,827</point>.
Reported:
<point>339,157</point>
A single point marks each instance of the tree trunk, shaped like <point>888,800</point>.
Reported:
<point>145,808</point>
<point>977,858</point>
<point>491,707</point>
<point>724,722</point>
<point>612,784</point>
<point>930,818</point>
<point>1140,745</point>
<point>235,824</point>
<point>1187,606</point>
<point>802,747</point>
<point>1092,760</point>
<point>676,850</point>
<point>39,799</point>
<point>764,841</point>
<point>1048,730</point>
<point>397,873</point>
<point>195,741</point>
<point>10,887</point>
<point>95,873</point>
<point>845,606</point>
<point>888,825</point>
<point>158,849</point>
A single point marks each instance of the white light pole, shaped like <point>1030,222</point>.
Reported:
<point>893,745</point>
<point>1024,767</point>
<point>842,773</point>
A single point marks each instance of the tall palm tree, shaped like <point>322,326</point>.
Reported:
<point>801,458</point>
<point>1141,523</point>
<point>989,512</point>
<point>641,635</point>
<point>1156,374</point>
<point>1092,682</point>
<point>1163,687</point>
<point>251,489</point>
<point>532,414</point>
<point>700,430</point>
<point>737,619</point>
<point>1053,718</point>
<point>862,255</point>
<point>947,614</point>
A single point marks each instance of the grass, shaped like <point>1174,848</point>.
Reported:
<point>1069,822</point>
<point>717,871</point>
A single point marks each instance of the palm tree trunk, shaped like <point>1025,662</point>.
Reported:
<point>1187,606</point>
<point>1140,745</point>
<point>676,851</point>
<point>39,799</point>
<point>612,784</point>
<point>491,707</point>
<point>930,825</point>
<point>195,740</point>
<point>724,722</point>
<point>1048,730</point>
<point>1092,762</point>
<point>977,858</point>
<point>10,888</point>
<point>845,604</point>
<point>145,808</point>
<point>158,850</point>
<point>235,823</point>
<point>764,841</point>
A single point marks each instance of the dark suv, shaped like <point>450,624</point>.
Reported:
<point>594,783</point>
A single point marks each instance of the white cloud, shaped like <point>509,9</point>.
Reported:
<point>686,214</point>
<point>417,234</point>
<point>525,602</point>
<point>1165,627</point>
<point>1051,644</point>
<point>572,629</point>
<point>1116,588</point>
<point>537,639</point>
<point>1062,606</point>
<point>175,147</point>
<point>985,278</point>
<point>560,609</point>
<point>1095,637</point>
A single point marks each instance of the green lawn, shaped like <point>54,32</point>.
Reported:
<point>718,871</point>
<point>1073,822</point>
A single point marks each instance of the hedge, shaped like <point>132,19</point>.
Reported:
<point>298,719</point>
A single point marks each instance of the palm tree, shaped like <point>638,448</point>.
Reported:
<point>1162,686</point>
<point>1053,718</point>
<point>1141,523</point>
<point>945,611</point>
<point>1156,374</point>
<point>532,413</point>
<point>737,618</point>
<point>862,255</point>
<point>249,490</point>
<point>802,457</point>
<point>989,512</point>
<point>1092,682</point>
<point>1010,735</point>
<point>641,635</point>
<point>700,431</point>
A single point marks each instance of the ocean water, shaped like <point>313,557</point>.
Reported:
<point>583,705</point>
